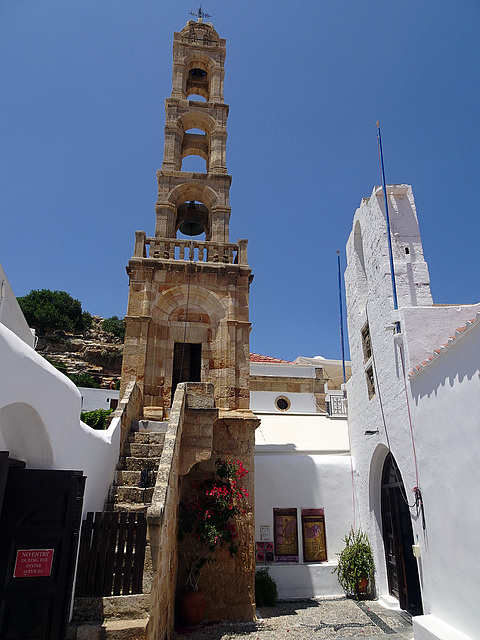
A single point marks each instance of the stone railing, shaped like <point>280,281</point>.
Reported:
<point>162,515</point>
<point>186,250</point>
<point>163,526</point>
<point>129,410</point>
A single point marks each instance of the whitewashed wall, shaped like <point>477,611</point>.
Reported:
<point>97,398</point>
<point>10,313</point>
<point>40,420</point>
<point>446,401</point>
<point>444,446</point>
<point>303,462</point>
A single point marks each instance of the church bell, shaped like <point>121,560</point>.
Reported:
<point>191,225</point>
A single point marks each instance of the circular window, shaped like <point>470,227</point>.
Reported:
<point>282,403</point>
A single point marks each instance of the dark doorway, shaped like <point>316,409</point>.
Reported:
<point>402,571</point>
<point>187,362</point>
<point>39,525</point>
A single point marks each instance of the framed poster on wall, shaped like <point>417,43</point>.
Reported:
<point>313,534</point>
<point>285,535</point>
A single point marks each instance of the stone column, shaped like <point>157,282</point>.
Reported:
<point>166,214</point>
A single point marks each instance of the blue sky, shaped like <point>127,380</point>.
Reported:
<point>83,85</point>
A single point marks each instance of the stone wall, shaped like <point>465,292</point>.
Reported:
<point>217,318</point>
<point>162,518</point>
<point>129,410</point>
<point>228,582</point>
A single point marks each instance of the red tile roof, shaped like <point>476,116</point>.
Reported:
<point>255,357</point>
<point>437,352</point>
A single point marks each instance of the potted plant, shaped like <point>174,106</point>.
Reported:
<point>355,564</point>
<point>207,522</point>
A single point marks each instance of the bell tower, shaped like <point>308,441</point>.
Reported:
<point>188,317</point>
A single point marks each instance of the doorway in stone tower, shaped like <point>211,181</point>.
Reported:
<point>402,571</point>
<point>187,362</point>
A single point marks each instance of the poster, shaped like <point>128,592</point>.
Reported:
<point>313,533</point>
<point>285,535</point>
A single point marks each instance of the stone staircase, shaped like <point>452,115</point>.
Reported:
<point>125,617</point>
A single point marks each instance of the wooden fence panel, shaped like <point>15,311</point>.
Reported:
<point>112,554</point>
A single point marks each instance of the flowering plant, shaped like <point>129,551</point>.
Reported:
<point>206,519</point>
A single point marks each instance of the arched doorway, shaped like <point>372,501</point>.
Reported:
<point>402,571</point>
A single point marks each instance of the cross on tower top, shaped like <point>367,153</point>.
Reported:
<point>200,14</point>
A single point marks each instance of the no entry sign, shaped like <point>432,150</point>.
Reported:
<point>33,563</point>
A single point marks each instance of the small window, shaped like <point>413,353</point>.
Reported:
<point>282,403</point>
<point>366,343</point>
<point>313,534</point>
<point>370,382</point>
<point>285,535</point>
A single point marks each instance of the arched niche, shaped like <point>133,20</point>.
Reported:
<point>203,300</point>
<point>25,435</point>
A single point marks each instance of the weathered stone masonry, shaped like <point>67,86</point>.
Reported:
<point>194,293</point>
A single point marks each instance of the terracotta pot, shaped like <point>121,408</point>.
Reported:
<point>191,608</point>
<point>362,585</point>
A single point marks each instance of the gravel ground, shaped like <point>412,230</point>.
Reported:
<point>332,618</point>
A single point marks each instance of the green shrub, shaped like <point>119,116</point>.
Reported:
<point>96,419</point>
<point>84,380</point>
<point>87,320</point>
<point>355,562</point>
<point>114,325</point>
<point>266,593</point>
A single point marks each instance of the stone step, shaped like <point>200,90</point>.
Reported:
<point>133,629</point>
<point>139,464</point>
<point>153,413</point>
<point>135,495</point>
<point>96,608</point>
<point>133,478</point>
<point>143,450</point>
<point>153,426</point>
<point>126,506</point>
<point>146,437</point>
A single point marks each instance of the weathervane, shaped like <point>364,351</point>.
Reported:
<point>200,14</point>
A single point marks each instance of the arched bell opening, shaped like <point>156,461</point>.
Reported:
<point>195,151</point>
<point>197,98</point>
<point>194,163</point>
<point>193,220</point>
<point>198,81</point>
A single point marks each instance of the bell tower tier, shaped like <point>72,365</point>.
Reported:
<point>188,316</point>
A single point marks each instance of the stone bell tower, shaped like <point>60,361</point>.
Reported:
<point>188,317</point>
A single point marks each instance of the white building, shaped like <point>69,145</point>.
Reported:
<point>303,486</point>
<point>40,410</point>
<point>414,423</point>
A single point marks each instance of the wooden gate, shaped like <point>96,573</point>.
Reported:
<point>39,527</point>
<point>112,554</point>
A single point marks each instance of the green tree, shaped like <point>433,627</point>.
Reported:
<point>114,325</point>
<point>53,310</point>
<point>84,380</point>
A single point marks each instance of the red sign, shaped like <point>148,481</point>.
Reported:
<point>33,563</point>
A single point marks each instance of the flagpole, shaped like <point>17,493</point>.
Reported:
<point>390,252</point>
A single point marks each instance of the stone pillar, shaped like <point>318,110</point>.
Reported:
<point>166,219</point>
<point>220,217</point>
